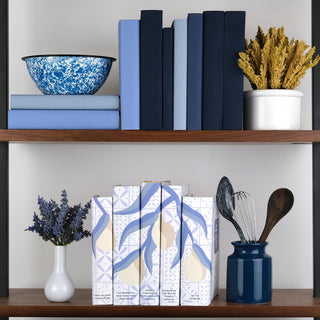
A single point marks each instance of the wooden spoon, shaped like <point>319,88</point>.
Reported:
<point>279,204</point>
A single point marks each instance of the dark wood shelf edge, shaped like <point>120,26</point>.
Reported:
<point>32,303</point>
<point>272,136</point>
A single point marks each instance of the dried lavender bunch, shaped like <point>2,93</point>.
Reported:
<point>271,61</point>
<point>62,224</point>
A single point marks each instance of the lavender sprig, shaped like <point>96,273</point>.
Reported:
<point>62,224</point>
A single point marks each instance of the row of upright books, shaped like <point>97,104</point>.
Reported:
<point>153,245</point>
<point>184,77</point>
<point>29,111</point>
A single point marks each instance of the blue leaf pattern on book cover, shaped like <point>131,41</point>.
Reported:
<point>149,220</point>
<point>178,256</point>
<point>147,192</point>
<point>134,208</point>
<point>174,197</point>
<point>126,262</point>
<point>146,221</point>
<point>185,232</point>
<point>101,225</point>
<point>196,217</point>
<point>130,228</point>
<point>149,246</point>
<point>202,256</point>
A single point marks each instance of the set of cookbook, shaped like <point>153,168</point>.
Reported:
<point>153,244</point>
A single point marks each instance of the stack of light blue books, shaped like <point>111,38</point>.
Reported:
<point>63,112</point>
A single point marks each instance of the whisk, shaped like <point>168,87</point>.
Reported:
<point>244,213</point>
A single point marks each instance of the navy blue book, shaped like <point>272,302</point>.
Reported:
<point>167,80</point>
<point>151,70</point>
<point>234,42</point>
<point>212,69</point>
<point>194,72</point>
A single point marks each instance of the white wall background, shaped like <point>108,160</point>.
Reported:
<point>90,27</point>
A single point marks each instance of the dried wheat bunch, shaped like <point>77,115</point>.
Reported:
<point>271,61</point>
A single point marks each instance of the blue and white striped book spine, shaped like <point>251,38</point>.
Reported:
<point>63,119</point>
<point>180,75</point>
<point>170,252</point>
<point>199,262</point>
<point>68,102</point>
<point>129,74</point>
<point>126,261</point>
<point>101,211</point>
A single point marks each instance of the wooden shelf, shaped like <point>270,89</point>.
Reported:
<point>32,303</point>
<point>273,136</point>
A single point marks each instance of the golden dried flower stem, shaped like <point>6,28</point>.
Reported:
<point>272,61</point>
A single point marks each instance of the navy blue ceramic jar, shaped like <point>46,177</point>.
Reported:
<point>249,274</point>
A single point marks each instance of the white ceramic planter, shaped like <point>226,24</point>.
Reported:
<point>272,109</point>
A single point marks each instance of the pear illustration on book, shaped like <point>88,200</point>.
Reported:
<point>196,264</point>
<point>130,275</point>
<point>103,242</point>
<point>155,233</point>
<point>167,234</point>
<point>193,269</point>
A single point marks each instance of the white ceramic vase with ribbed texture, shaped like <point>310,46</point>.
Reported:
<point>59,287</point>
<point>272,109</point>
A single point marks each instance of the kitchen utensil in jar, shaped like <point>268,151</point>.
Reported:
<point>225,204</point>
<point>245,214</point>
<point>279,204</point>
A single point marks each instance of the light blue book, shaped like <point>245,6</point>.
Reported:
<point>129,74</point>
<point>37,101</point>
<point>63,119</point>
<point>180,75</point>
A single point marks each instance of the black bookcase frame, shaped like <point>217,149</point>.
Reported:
<point>316,150</point>
<point>4,182</point>
<point>4,152</point>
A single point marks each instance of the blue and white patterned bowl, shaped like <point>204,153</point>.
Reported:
<point>68,74</point>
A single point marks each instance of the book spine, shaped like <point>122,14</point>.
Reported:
<point>93,102</point>
<point>194,71</point>
<point>151,70</point>
<point>129,74</point>
<point>150,243</point>
<point>180,75</point>
<point>212,70</point>
<point>170,253</point>
<point>197,244</point>
<point>63,119</point>
<point>233,76</point>
<point>126,261</point>
<point>215,258</point>
<point>167,80</point>
<point>101,212</point>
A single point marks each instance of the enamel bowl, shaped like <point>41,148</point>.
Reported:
<point>68,74</point>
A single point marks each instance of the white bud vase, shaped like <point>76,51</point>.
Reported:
<point>59,287</point>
